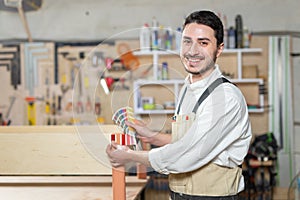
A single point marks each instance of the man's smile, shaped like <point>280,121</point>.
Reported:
<point>192,60</point>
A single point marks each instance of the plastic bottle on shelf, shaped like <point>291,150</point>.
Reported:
<point>161,38</point>
<point>159,72</point>
<point>168,38</point>
<point>145,36</point>
<point>246,41</point>
<point>178,39</point>
<point>231,38</point>
<point>239,31</point>
<point>154,34</point>
<point>164,71</point>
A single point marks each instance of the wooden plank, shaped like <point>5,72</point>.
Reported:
<point>107,129</point>
<point>118,183</point>
<point>55,150</point>
<point>65,187</point>
<point>118,177</point>
<point>130,180</point>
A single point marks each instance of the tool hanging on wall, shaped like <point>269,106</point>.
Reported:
<point>130,61</point>
<point>15,74</point>
<point>109,83</point>
<point>10,58</point>
<point>88,104</point>
<point>98,60</point>
<point>5,63</point>
<point>33,52</point>
<point>47,100</point>
<point>80,106</point>
<point>77,81</point>
<point>31,111</point>
<point>5,120</point>
<point>114,64</point>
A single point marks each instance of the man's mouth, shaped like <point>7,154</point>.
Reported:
<point>193,60</point>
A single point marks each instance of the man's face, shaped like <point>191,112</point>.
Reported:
<point>199,49</point>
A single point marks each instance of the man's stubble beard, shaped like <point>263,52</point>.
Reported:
<point>204,70</point>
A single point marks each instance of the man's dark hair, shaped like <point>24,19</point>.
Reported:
<point>207,18</point>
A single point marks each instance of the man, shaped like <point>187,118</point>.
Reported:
<point>211,131</point>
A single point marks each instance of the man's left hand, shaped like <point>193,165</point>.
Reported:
<point>118,155</point>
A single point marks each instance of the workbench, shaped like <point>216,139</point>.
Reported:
<point>59,162</point>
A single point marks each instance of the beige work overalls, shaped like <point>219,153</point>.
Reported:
<point>211,179</point>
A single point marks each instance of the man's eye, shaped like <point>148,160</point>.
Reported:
<point>203,44</point>
<point>187,42</point>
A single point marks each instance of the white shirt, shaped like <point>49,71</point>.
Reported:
<point>221,132</point>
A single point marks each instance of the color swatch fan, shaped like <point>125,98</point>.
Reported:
<point>120,117</point>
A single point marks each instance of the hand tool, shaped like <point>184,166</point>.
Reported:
<point>130,61</point>
<point>7,116</point>
<point>31,111</point>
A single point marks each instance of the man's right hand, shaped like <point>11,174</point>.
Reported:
<point>149,136</point>
<point>144,133</point>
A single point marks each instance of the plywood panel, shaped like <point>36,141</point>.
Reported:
<point>56,150</point>
<point>65,187</point>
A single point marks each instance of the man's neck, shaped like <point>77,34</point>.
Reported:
<point>198,77</point>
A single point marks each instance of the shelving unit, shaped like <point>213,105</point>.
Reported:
<point>240,53</point>
<point>138,109</point>
<point>155,58</point>
<point>258,82</point>
<point>137,85</point>
<point>174,83</point>
<point>240,80</point>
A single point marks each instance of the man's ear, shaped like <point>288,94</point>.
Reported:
<point>220,49</point>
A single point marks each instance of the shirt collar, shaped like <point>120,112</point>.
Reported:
<point>202,84</point>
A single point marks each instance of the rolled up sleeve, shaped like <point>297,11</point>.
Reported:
<point>156,161</point>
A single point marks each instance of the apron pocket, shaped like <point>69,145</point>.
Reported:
<point>178,182</point>
<point>181,126</point>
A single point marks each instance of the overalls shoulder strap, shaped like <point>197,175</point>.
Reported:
<point>181,100</point>
<point>209,90</point>
<point>205,94</point>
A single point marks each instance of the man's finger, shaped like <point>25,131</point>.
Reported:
<point>108,149</point>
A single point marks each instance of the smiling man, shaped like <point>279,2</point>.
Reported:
<point>211,131</point>
<point>198,52</point>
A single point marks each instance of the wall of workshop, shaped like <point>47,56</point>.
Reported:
<point>94,20</point>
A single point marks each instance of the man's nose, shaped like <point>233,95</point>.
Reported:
<point>195,49</point>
